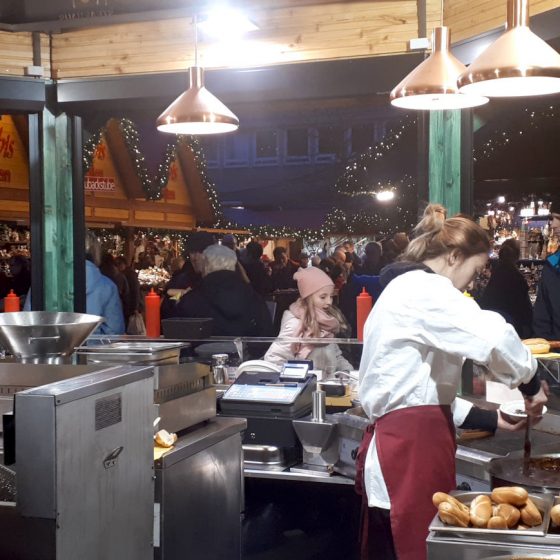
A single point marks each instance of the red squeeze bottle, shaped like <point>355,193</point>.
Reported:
<point>364,303</point>
<point>11,302</point>
<point>153,324</point>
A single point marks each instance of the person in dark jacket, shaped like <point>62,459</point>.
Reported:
<point>258,274</point>
<point>234,305</point>
<point>507,291</point>
<point>546,314</point>
<point>283,270</point>
<point>134,301</point>
<point>371,263</point>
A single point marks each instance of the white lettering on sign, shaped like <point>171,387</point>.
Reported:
<point>100,184</point>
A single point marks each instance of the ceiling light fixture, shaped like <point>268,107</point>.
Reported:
<point>226,24</point>
<point>519,63</point>
<point>432,85</point>
<point>197,111</point>
<point>384,196</point>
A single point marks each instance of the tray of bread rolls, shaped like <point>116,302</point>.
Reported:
<point>554,527</point>
<point>507,510</point>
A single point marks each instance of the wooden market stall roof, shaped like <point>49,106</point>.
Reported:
<point>289,31</point>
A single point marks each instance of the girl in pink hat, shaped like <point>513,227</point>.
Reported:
<point>312,316</point>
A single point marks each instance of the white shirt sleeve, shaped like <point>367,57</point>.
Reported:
<point>460,409</point>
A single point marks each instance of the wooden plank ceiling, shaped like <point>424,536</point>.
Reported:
<point>289,31</point>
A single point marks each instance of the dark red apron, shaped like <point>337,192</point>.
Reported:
<point>416,449</point>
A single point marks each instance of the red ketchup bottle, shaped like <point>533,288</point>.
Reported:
<point>11,302</point>
<point>364,303</point>
<point>153,325</point>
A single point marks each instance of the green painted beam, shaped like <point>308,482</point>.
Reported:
<point>58,240</point>
<point>444,159</point>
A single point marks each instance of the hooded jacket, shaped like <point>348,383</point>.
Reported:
<point>234,305</point>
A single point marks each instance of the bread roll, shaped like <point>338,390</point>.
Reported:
<point>497,522</point>
<point>530,515</point>
<point>539,348</point>
<point>514,495</point>
<point>165,439</point>
<point>537,345</point>
<point>555,514</point>
<point>452,515</point>
<point>529,341</point>
<point>480,511</point>
<point>510,513</point>
<point>440,497</point>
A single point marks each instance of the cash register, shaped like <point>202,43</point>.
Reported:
<point>270,400</point>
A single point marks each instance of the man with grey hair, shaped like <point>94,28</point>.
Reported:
<point>234,305</point>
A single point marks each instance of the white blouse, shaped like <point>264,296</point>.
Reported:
<point>416,338</point>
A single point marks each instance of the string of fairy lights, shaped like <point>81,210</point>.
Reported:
<point>355,181</point>
<point>500,138</point>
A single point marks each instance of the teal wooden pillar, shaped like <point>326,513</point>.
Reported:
<point>58,256</point>
<point>444,160</point>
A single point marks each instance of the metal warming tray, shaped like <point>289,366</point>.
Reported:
<point>133,352</point>
<point>542,501</point>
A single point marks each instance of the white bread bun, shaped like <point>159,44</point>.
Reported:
<point>497,522</point>
<point>555,514</point>
<point>529,341</point>
<point>165,439</point>
<point>480,511</point>
<point>440,497</point>
<point>450,514</point>
<point>514,495</point>
<point>530,515</point>
<point>510,513</point>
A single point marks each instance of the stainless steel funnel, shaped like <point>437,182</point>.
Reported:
<point>318,439</point>
<point>44,336</point>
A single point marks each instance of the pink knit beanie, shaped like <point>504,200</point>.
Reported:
<point>311,280</point>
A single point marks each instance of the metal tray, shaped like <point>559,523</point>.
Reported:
<point>542,501</point>
<point>135,347</point>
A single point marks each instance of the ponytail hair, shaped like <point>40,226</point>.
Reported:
<point>439,237</point>
<point>432,212</point>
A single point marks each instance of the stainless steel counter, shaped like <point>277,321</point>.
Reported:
<point>298,477</point>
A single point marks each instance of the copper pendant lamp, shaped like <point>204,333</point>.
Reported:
<point>432,85</point>
<point>197,111</point>
<point>518,63</point>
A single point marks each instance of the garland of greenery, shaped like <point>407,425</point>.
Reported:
<point>352,183</point>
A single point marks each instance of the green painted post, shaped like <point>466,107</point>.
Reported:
<point>57,173</point>
<point>444,175</point>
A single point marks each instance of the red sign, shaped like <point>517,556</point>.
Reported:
<point>100,184</point>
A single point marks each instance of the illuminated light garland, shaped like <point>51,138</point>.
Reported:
<point>501,138</point>
<point>336,221</point>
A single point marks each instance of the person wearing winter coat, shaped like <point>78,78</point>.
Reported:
<point>311,316</point>
<point>546,313</point>
<point>507,291</point>
<point>224,296</point>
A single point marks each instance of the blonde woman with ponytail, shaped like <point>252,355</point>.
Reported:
<point>416,338</point>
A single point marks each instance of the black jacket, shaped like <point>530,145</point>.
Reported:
<point>507,293</point>
<point>234,305</point>
<point>546,313</point>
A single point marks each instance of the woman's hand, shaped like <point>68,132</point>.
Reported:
<point>508,426</point>
<point>534,404</point>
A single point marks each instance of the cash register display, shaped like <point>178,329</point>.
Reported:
<point>294,370</point>
<point>276,393</point>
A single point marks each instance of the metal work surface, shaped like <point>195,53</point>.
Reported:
<point>199,439</point>
<point>297,476</point>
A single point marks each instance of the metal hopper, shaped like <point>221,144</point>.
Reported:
<point>45,336</point>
